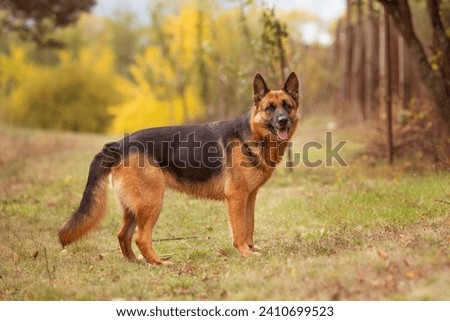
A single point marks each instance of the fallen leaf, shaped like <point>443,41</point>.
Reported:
<point>383,255</point>
<point>35,254</point>
<point>410,275</point>
<point>221,252</point>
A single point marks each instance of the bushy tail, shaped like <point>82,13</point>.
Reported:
<point>93,203</point>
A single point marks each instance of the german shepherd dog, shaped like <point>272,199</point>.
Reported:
<point>226,160</point>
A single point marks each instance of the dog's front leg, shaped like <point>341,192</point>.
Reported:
<point>237,215</point>
<point>251,220</point>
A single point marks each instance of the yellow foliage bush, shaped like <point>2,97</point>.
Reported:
<point>145,110</point>
<point>73,95</point>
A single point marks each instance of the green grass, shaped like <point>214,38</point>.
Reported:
<point>363,232</point>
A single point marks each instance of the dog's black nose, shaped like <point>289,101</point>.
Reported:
<point>282,121</point>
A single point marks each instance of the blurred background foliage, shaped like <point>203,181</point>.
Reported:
<point>63,67</point>
<point>195,61</point>
<point>73,94</point>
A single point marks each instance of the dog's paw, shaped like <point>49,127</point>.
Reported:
<point>167,263</point>
<point>158,263</point>
<point>244,250</point>
<point>255,249</point>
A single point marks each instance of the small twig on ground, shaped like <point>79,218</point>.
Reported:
<point>176,239</point>
<point>441,201</point>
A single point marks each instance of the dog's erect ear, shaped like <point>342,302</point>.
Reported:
<point>291,86</point>
<point>259,88</point>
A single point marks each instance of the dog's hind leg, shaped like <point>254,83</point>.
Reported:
<point>147,217</point>
<point>148,207</point>
<point>126,234</point>
<point>140,188</point>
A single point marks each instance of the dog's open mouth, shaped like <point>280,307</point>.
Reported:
<point>282,133</point>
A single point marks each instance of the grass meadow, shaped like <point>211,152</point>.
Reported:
<point>367,231</point>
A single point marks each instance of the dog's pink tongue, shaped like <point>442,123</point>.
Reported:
<point>282,134</point>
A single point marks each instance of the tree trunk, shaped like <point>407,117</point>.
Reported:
<point>337,59</point>
<point>438,81</point>
<point>394,60</point>
<point>402,73</point>
<point>347,83</point>
<point>283,70</point>
<point>389,140</point>
<point>359,63</point>
<point>203,72</point>
<point>372,62</point>
<point>382,61</point>
<point>283,65</point>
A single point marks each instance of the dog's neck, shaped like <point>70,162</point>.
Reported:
<point>273,151</point>
<point>267,151</point>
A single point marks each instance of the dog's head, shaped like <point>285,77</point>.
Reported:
<point>275,112</point>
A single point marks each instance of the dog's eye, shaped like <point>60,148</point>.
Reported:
<point>287,107</point>
<point>270,108</point>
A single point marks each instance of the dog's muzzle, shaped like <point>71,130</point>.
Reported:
<point>282,130</point>
<point>282,126</point>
